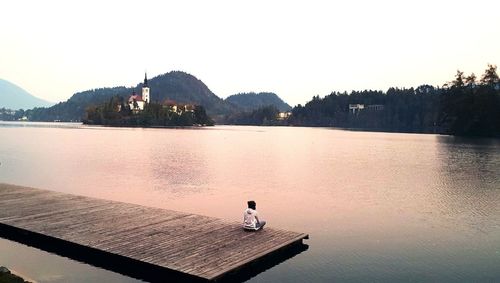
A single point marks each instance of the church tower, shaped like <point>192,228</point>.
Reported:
<point>145,89</point>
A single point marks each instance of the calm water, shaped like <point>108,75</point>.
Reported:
<point>379,207</point>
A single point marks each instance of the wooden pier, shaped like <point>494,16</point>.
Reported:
<point>136,238</point>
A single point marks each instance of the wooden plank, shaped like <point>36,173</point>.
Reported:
<point>234,253</point>
<point>216,272</point>
<point>205,247</point>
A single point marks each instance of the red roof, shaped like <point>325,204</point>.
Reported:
<point>136,97</point>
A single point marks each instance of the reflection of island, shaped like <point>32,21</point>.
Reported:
<point>140,111</point>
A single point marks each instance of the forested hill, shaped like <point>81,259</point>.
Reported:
<point>74,108</point>
<point>465,106</point>
<point>178,86</point>
<point>400,110</point>
<point>185,88</point>
<point>251,101</point>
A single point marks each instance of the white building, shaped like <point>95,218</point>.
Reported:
<point>283,115</point>
<point>356,107</point>
<point>137,102</point>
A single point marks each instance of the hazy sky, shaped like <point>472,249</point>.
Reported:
<point>294,48</point>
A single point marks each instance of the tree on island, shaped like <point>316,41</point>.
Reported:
<point>117,113</point>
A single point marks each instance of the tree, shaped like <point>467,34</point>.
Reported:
<point>185,119</point>
<point>490,76</point>
<point>473,111</point>
<point>459,80</point>
<point>470,81</point>
<point>201,117</point>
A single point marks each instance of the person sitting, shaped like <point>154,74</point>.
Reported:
<point>250,218</point>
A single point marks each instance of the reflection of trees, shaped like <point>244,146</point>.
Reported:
<point>470,189</point>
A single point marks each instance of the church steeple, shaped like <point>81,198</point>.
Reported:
<point>145,89</point>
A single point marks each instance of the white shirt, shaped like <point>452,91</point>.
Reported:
<point>249,218</point>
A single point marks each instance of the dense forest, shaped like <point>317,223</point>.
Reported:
<point>10,115</point>
<point>464,106</point>
<point>263,116</point>
<point>116,112</point>
<point>401,110</point>
<point>73,109</point>
<point>251,101</point>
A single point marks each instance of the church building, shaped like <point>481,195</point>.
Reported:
<point>137,102</point>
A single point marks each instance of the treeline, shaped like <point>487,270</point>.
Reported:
<point>10,115</point>
<point>73,110</point>
<point>263,116</point>
<point>469,107</point>
<point>464,106</point>
<point>118,113</point>
<point>399,110</point>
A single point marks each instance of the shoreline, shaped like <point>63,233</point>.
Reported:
<point>374,130</point>
<point>146,127</point>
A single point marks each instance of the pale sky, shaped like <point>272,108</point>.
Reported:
<point>296,49</point>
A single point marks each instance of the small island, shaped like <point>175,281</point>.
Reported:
<point>139,111</point>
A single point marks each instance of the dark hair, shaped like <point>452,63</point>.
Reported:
<point>251,204</point>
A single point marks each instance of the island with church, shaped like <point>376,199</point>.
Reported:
<point>139,111</point>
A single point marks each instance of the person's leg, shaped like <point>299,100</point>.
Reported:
<point>261,225</point>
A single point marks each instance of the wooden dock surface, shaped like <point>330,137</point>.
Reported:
<point>201,246</point>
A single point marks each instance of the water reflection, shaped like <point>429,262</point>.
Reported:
<point>471,181</point>
<point>380,207</point>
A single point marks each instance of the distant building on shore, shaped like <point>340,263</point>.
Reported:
<point>283,116</point>
<point>177,107</point>
<point>137,102</point>
<point>376,107</point>
<point>356,108</point>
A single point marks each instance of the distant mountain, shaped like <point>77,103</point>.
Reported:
<point>178,86</point>
<point>251,101</point>
<point>14,97</point>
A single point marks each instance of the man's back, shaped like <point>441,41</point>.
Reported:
<point>249,218</point>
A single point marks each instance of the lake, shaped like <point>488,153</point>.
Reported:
<point>379,207</point>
